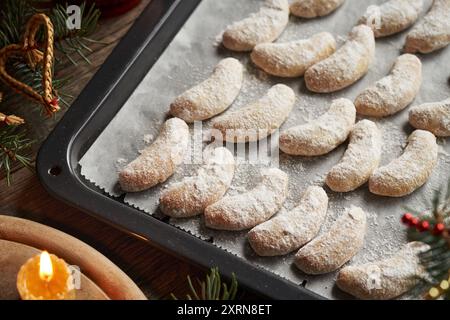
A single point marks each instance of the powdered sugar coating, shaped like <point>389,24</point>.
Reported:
<point>433,32</point>
<point>331,250</point>
<point>246,210</point>
<point>213,95</point>
<point>289,231</point>
<point>346,66</point>
<point>434,117</point>
<point>258,119</point>
<point>395,16</point>
<point>361,158</point>
<point>292,59</point>
<point>385,279</point>
<point>192,195</point>
<point>394,92</point>
<point>314,8</point>
<point>264,26</point>
<point>410,171</point>
<point>158,161</point>
<point>322,135</point>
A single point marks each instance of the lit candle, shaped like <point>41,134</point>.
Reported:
<point>45,277</point>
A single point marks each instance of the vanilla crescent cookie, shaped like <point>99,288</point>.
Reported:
<point>433,32</point>
<point>322,135</point>
<point>192,195</point>
<point>434,117</point>
<point>258,119</point>
<point>410,171</point>
<point>289,231</point>
<point>314,8</point>
<point>361,158</point>
<point>158,161</point>
<point>385,279</point>
<point>246,210</point>
<point>264,26</point>
<point>394,92</point>
<point>331,250</point>
<point>213,95</point>
<point>346,66</point>
<point>392,16</point>
<point>292,59</point>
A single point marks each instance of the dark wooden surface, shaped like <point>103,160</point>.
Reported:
<point>157,273</point>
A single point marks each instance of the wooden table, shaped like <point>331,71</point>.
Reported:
<point>157,273</point>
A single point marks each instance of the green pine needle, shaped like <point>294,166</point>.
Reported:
<point>74,42</point>
<point>14,15</point>
<point>12,143</point>
<point>436,261</point>
<point>212,288</point>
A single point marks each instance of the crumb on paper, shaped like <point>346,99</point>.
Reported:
<point>218,40</point>
<point>120,163</point>
<point>148,138</point>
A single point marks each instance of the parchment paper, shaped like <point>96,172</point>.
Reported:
<point>191,57</point>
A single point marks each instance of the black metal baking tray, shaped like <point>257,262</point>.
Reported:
<point>59,172</point>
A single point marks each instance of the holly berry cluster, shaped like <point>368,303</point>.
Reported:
<point>423,225</point>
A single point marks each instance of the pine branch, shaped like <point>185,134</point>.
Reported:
<point>70,42</point>
<point>14,15</point>
<point>13,142</point>
<point>22,72</point>
<point>212,288</point>
<point>436,261</point>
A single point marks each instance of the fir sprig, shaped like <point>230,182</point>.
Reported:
<point>436,261</point>
<point>14,15</point>
<point>70,42</point>
<point>13,142</point>
<point>22,72</point>
<point>212,288</point>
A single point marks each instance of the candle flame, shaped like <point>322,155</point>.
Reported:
<point>45,266</point>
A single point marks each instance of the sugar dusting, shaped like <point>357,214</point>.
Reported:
<point>394,92</point>
<point>262,26</point>
<point>213,95</point>
<point>347,65</point>
<point>385,233</point>
<point>433,31</point>
<point>248,209</point>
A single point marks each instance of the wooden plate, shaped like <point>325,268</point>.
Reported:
<point>95,266</point>
<point>13,255</point>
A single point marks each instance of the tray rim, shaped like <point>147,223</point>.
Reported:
<point>80,126</point>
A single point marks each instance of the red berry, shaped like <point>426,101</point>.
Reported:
<point>54,102</point>
<point>414,222</point>
<point>438,228</point>
<point>407,218</point>
<point>423,226</point>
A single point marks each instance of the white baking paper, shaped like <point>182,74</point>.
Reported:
<point>191,57</point>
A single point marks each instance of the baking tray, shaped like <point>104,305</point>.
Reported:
<point>155,63</point>
<point>59,172</point>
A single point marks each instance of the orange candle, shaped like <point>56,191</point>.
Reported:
<point>45,277</point>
